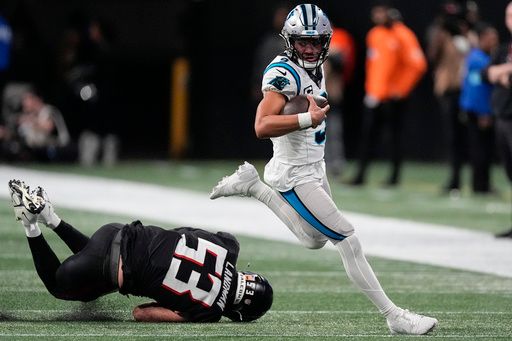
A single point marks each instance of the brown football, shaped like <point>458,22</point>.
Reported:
<point>300,103</point>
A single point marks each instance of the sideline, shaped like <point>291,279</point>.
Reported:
<point>383,237</point>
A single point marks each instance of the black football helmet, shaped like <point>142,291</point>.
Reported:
<point>253,298</point>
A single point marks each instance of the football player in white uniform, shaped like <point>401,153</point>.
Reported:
<point>299,192</point>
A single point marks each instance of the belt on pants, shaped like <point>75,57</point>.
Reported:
<point>115,253</point>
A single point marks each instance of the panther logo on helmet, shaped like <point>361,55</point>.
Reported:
<point>307,22</point>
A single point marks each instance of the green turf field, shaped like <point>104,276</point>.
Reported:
<point>313,297</point>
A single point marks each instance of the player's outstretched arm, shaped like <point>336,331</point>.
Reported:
<point>152,312</point>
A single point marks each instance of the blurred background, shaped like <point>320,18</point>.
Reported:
<point>176,77</point>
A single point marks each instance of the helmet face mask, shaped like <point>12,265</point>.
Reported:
<point>253,298</point>
<point>307,23</point>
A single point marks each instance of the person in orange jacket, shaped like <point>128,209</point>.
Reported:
<point>382,61</point>
<point>412,63</point>
<point>411,66</point>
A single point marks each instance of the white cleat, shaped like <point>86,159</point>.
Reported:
<point>403,321</point>
<point>237,183</point>
<point>26,207</point>
<point>47,216</point>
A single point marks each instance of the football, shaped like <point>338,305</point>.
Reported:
<point>300,103</point>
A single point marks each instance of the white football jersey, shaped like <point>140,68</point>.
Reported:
<point>301,147</point>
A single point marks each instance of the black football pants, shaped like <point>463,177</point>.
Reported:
<point>84,276</point>
<point>481,151</point>
<point>386,115</point>
<point>456,136</point>
<point>504,138</point>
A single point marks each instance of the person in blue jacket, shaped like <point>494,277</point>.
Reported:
<point>475,103</point>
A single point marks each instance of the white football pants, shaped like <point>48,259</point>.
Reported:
<point>310,213</point>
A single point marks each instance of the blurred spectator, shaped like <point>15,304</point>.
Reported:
<point>447,47</point>
<point>381,65</point>
<point>475,101</point>
<point>12,97</point>
<point>92,148</point>
<point>500,74</point>
<point>82,52</point>
<point>40,133</point>
<point>338,70</point>
<point>270,46</point>
<point>5,54</point>
<point>82,57</point>
<point>472,20</point>
<point>412,65</point>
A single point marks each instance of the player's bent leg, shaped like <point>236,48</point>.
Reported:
<point>400,321</point>
<point>361,274</point>
<point>313,202</point>
<point>246,182</point>
<point>315,205</point>
<point>318,210</point>
<point>326,186</point>
<point>45,262</point>
<point>307,236</point>
<point>86,275</point>
<point>73,238</point>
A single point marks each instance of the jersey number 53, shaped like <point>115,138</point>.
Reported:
<point>183,255</point>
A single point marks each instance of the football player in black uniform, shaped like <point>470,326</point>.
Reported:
<point>189,273</point>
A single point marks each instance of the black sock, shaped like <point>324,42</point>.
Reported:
<point>73,238</point>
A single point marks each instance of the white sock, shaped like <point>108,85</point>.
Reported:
<point>49,217</point>
<point>261,191</point>
<point>32,230</point>
<point>362,275</point>
<point>54,221</point>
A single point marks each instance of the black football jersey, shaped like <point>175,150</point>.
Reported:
<point>188,270</point>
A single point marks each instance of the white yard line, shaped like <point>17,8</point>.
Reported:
<point>130,334</point>
<point>271,312</point>
<point>384,237</point>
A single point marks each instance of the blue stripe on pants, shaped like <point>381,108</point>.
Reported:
<point>292,198</point>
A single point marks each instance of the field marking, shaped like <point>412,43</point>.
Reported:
<point>196,335</point>
<point>271,312</point>
<point>352,290</point>
<point>298,273</point>
<point>383,237</point>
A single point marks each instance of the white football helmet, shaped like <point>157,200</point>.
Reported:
<point>307,21</point>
